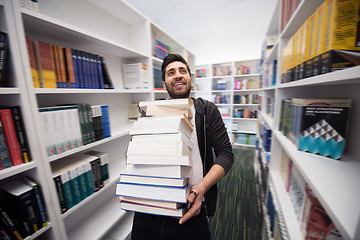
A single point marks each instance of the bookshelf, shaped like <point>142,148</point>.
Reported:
<point>122,35</point>
<point>334,182</point>
<point>232,87</point>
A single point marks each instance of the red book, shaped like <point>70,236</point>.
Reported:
<point>10,135</point>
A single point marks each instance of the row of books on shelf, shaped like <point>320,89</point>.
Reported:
<point>246,84</point>
<point>221,99</point>
<point>318,126</point>
<point>30,4</point>
<point>54,66</point>
<point>221,85</point>
<point>14,147</point>
<point>161,50</point>
<point>78,176</point>
<point>158,82</point>
<point>246,99</point>
<point>244,113</point>
<point>218,71</point>
<point>326,42</point>
<point>274,220</point>
<point>244,70</point>
<point>4,60</point>
<point>71,126</point>
<point>159,164</point>
<point>22,209</point>
<point>269,73</point>
<point>288,8</point>
<point>200,73</point>
<point>244,138</point>
<point>265,136</point>
<point>314,221</point>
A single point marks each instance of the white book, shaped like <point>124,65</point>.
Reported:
<point>151,180</point>
<point>175,171</point>
<point>170,194</point>
<point>158,148</point>
<point>162,125</point>
<point>172,137</point>
<point>158,159</point>
<point>167,107</point>
<point>154,203</point>
<point>127,206</point>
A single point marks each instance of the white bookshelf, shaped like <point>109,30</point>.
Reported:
<point>334,182</point>
<point>122,35</point>
<point>207,87</point>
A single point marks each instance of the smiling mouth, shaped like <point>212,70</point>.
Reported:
<point>178,84</point>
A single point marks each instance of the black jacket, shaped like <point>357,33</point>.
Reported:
<point>212,138</point>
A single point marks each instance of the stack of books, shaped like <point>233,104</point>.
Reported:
<point>158,160</point>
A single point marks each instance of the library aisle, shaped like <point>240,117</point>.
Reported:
<point>237,215</point>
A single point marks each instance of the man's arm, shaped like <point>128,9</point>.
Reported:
<point>212,177</point>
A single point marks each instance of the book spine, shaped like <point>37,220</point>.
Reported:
<point>10,134</point>
<point>21,133</point>
<point>40,204</point>
<point>95,172</point>
<point>5,161</point>
<point>60,193</point>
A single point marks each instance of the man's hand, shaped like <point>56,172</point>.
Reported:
<point>195,200</point>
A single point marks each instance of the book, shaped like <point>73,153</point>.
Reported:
<point>162,125</point>
<point>322,126</point>
<point>45,63</point>
<point>315,222</point>
<point>173,171</point>
<point>41,208</point>
<point>33,63</point>
<point>5,160</point>
<point>4,60</point>
<point>18,198</point>
<point>158,159</point>
<point>104,162</point>
<point>171,137</point>
<point>161,148</point>
<point>102,69</point>
<point>63,187</point>
<point>106,120</point>
<point>153,180</point>
<point>170,194</point>
<point>135,76</point>
<point>129,206</point>
<point>96,116</point>
<point>10,135</point>
<point>134,112</point>
<point>20,132</point>
<point>166,107</point>
<point>153,203</point>
<point>69,68</point>
<point>11,226</point>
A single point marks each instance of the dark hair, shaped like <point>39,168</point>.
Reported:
<point>173,58</point>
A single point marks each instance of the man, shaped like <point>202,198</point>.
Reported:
<point>209,136</point>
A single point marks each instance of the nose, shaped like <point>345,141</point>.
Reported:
<point>177,74</point>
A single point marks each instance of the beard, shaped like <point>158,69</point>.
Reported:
<point>174,95</point>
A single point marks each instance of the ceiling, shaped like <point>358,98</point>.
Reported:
<point>213,30</point>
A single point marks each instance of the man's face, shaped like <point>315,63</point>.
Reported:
<point>177,80</point>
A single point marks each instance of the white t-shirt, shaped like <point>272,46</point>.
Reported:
<point>197,167</point>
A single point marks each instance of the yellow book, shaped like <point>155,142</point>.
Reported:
<point>319,14</point>
<point>340,40</point>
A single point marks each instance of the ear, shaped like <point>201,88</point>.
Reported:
<point>164,86</point>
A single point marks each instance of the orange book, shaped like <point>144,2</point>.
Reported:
<point>69,68</point>
<point>33,63</point>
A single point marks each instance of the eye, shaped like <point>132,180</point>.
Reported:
<point>183,71</point>
<point>170,73</point>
